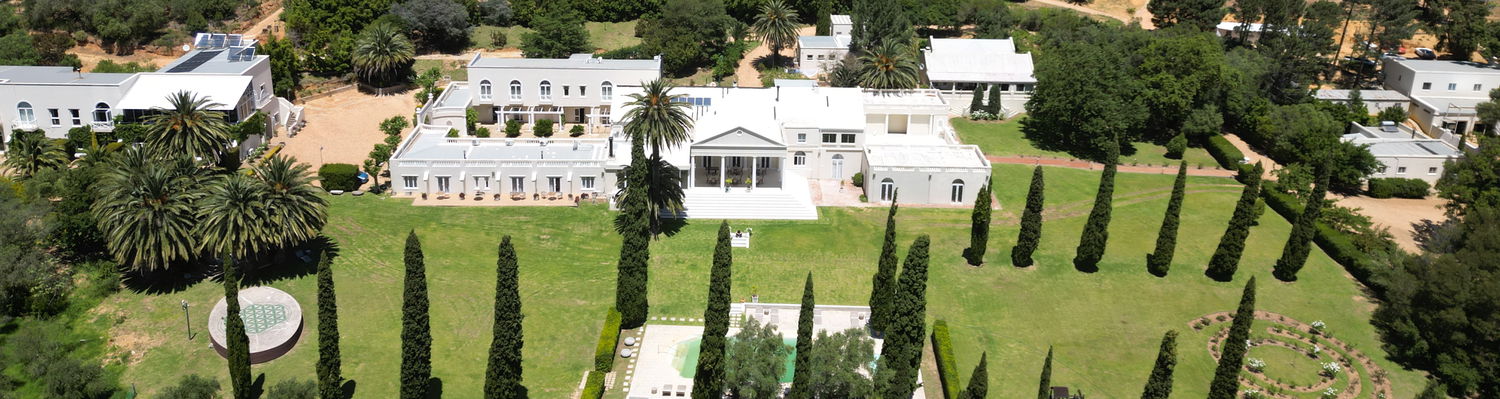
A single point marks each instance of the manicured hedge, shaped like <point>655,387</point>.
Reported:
<point>594,387</point>
<point>1335,243</point>
<point>1228,156</point>
<point>942,347</point>
<point>339,176</point>
<point>609,338</point>
<point>1398,187</point>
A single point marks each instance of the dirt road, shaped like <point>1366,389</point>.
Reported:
<point>746,74</point>
<point>344,127</point>
<point>1401,215</point>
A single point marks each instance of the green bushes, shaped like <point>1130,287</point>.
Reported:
<point>542,128</point>
<point>604,353</point>
<point>1228,156</point>
<point>575,131</point>
<point>1335,243</point>
<point>1176,147</point>
<point>594,388</point>
<point>512,128</point>
<point>1398,187</point>
<point>942,348</point>
<point>339,176</point>
<point>858,179</point>
<point>482,132</point>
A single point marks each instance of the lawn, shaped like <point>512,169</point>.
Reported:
<point>1105,326</point>
<point>604,36</point>
<point>454,69</point>
<point>1005,138</point>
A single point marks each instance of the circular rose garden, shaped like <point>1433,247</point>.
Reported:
<point>1290,359</point>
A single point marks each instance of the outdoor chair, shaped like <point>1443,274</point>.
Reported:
<point>497,196</point>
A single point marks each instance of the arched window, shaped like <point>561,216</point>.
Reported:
<point>887,189</point>
<point>485,91</point>
<point>607,91</point>
<point>515,90</point>
<point>546,91</point>
<point>101,112</point>
<point>956,193</point>
<point>799,159</point>
<point>24,113</point>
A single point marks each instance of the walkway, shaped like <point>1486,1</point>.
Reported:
<point>1255,156</point>
<point>747,76</point>
<point>1081,164</point>
<point>335,134</point>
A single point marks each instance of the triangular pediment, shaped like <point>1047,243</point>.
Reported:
<point>741,138</point>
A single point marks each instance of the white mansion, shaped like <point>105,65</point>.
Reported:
<point>754,153</point>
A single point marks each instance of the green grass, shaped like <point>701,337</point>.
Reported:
<point>604,36</point>
<point>1105,326</point>
<point>1291,367</point>
<point>452,68</point>
<point>1005,138</point>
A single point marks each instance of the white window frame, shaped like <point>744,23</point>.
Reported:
<point>545,90</point>
<point>587,182</point>
<point>56,116</point>
<point>486,91</point>
<point>482,182</point>
<point>102,109</point>
<point>607,91</point>
<point>554,184</point>
<point>1452,86</point>
<point>1432,170</point>
<point>76,116</point>
<point>801,137</point>
<point>444,184</point>
<point>887,189</point>
<point>515,90</point>
<point>1478,87</point>
<point>1400,170</point>
<point>956,191</point>
<point>409,182</point>
<point>518,184</point>
<point>799,158</point>
<point>565,91</point>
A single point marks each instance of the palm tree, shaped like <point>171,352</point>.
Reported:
<point>776,24</point>
<point>657,117</point>
<point>146,211</point>
<point>890,66</point>
<point>232,218</point>
<point>30,152</point>
<point>381,53</point>
<point>188,127</point>
<point>294,208</point>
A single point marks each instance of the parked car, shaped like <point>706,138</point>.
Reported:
<point>1426,53</point>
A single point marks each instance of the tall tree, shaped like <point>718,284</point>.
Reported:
<point>236,343</point>
<point>1160,261</point>
<point>883,290</point>
<point>659,118</point>
<point>776,24</point>
<point>634,223</point>
<point>1299,242</point>
<point>1197,14</point>
<point>558,32</point>
<point>843,362</point>
<point>1077,105</point>
<point>1226,383</point>
<point>330,361</point>
<point>708,381</point>
<point>31,152</point>
<point>1096,231</point>
<point>802,372</point>
<point>1226,259</point>
<point>416,334</point>
<point>232,217</point>
<point>993,107</point>
<point>146,209</point>
<point>1460,25</point>
<point>297,210</point>
<point>755,361</point>
<point>976,103</point>
<point>877,23</point>
<point>1468,183</point>
<point>979,380</point>
<point>979,229</point>
<point>825,18</point>
<point>1031,222</point>
<point>502,377</point>
<point>1045,389</point>
<point>1159,386</point>
<point>890,66</point>
<point>382,54</point>
<point>901,353</point>
<point>1488,111</point>
<point>188,126</point>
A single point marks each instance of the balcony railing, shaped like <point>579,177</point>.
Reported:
<point>102,126</point>
<point>23,125</point>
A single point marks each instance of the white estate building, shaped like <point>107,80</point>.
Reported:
<point>819,54</point>
<point>222,68</point>
<point>1443,93</point>
<point>1375,100</point>
<point>575,90</point>
<point>1403,152</point>
<point>957,66</point>
<point>751,156</point>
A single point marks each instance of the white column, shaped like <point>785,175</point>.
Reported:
<point>692,171</point>
<point>721,171</point>
<point>754,171</point>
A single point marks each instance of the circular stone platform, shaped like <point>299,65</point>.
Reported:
<point>273,322</point>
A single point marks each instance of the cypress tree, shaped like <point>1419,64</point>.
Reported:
<point>634,224</point>
<point>976,103</point>
<point>994,104</point>
<point>1031,222</point>
<point>236,343</point>
<point>416,334</point>
<point>1166,241</point>
<point>979,228</point>
<point>1226,258</point>
<point>1299,243</point>
<point>1226,383</point>
<point>708,382</point>
<point>979,380</point>
<point>502,377</point>
<point>802,369</point>
<point>1045,391</point>
<point>330,362</point>
<point>1096,231</point>
<point>882,293</point>
<point>825,18</point>
<point>1160,384</point>
<point>901,353</point>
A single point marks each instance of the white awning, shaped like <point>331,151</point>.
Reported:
<point>153,90</point>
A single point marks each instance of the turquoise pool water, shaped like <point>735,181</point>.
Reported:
<point>686,359</point>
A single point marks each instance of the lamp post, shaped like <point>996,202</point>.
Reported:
<point>187,320</point>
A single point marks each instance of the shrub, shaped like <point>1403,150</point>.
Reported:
<point>863,198</point>
<point>594,388</point>
<point>498,39</point>
<point>609,338</point>
<point>512,128</point>
<point>1335,243</point>
<point>542,128</point>
<point>1224,152</point>
<point>130,132</point>
<point>1398,187</point>
<point>394,125</point>
<point>942,348</point>
<point>1176,147</point>
<point>339,176</point>
<point>982,115</point>
<point>191,386</point>
<point>255,124</point>
<point>482,132</point>
<point>293,389</point>
<point>452,133</point>
<point>859,179</point>
<point>636,52</point>
<point>576,130</point>
<point>471,119</point>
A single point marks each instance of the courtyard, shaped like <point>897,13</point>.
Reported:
<point>1105,326</point>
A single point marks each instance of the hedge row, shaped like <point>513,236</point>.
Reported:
<point>339,176</point>
<point>594,387</point>
<point>1335,243</point>
<point>609,338</point>
<point>942,347</point>
<point>1398,187</point>
<point>1228,156</point>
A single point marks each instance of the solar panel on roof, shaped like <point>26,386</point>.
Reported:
<point>192,63</point>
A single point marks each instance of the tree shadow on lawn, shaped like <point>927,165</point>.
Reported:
<point>768,62</point>
<point>671,226</point>
<point>284,264</point>
<point>348,388</point>
<point>293,262</point>
<point>166,281</point>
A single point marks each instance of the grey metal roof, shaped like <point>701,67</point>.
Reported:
<point>1374,95</point>
<point>455,96</point>
<point>213,61</point>
<point>1411,148</point>
<point>840,19</point>
<point>58,75</point>
<point>576,61</point>
<point>824,42</point>
<point>1448,66</point>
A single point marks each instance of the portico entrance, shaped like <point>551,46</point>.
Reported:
<point>725,171</point>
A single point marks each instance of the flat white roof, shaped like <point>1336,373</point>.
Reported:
<point>56,75</point>
<point>576,61</point>
<point>1369,95</point>
<point>431,143</point>
<point>1232,25</point>
<point>823,42</point>
<point>1448,66</point>
<point>926,156</point>
<point>977,60</point>
<point>152,89</point>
